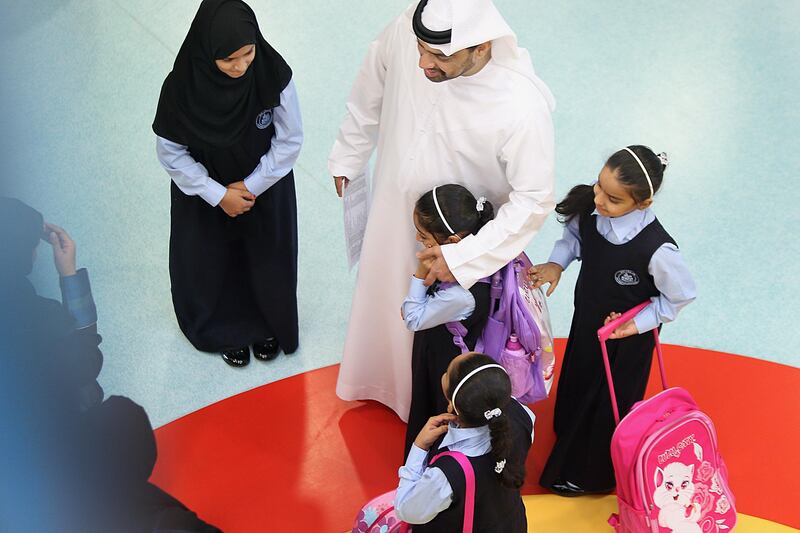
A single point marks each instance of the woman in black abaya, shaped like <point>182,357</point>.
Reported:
<point>229,132</point>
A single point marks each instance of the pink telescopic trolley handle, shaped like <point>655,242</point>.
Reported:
<point>605,332</point>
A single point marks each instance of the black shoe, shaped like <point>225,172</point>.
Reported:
<point>267,350</point>
<point>237,357</point>
<point>565,489</point>
<point>570,490</point>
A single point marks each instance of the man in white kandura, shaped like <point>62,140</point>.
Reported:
<point>446,96</point>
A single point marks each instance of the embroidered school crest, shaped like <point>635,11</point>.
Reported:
<point>626,277</point>
<point>264,119</point>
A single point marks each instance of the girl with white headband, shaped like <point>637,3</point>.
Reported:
<point>626,258</point>
<point>447,214</point>
<point>493,431</point>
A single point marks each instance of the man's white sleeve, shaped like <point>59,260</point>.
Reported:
<point>529,158</point>
<point>358,133</point>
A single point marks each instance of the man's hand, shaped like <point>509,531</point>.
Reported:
<point>625,330</point>
<point>438,266</point>
<point>236,202</point>
<point>238,185</point>
<point>545,273</point>
<point>63,249</point>
<point>341,184</point>
<point>435,427</point>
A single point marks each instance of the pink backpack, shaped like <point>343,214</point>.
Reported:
<point>670,474</point>
<point>378,515</point>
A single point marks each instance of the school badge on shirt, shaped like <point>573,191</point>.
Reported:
<point>264,119</point>
<point>626,277</point>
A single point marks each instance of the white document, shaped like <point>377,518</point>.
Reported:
<point>355,200</point>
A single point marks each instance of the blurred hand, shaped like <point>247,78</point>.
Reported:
<point>625,330</point>
<point>341,184</point>
<point>438,268</point>
<point>435,427</point>
<point>63,249</point>
<point>545,273</point>
<point>423,267</point>
<point>238,185</point>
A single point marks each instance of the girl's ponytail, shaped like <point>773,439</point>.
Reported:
<point>485,213</point>
<point>512,473</point>
<point>578,202</point>
<point>483,400</point>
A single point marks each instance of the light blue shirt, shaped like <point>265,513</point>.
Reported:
<point>423,311</point>
<point>425,492</point>
<point>192,178</point>
<point>76,296</point>
<point>670,274</point>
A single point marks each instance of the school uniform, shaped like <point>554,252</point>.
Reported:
<point>625,261</point>
<point>234,280</point>
<point>432,497</point>
<point>426,311</point>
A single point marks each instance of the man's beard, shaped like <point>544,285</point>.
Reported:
<point>468,64</point>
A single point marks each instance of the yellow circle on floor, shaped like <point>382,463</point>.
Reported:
<point>548,513</point>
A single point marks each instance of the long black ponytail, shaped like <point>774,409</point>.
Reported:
<point>478,401</point>
<point>578,202</point>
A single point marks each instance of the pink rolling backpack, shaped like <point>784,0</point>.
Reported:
<point>670,474</point>
<point>378,515</point>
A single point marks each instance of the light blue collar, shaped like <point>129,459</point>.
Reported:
<point>469,441</point>
<point>625,227</point>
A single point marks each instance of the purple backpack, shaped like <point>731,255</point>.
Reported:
<point>516,309</point>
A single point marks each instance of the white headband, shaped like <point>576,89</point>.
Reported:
<point>646,175</point>
<point>494,412</point>
<point>439,209</point>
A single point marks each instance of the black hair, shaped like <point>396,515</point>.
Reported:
<point>459,208</point>
<point>580,200</point>
<point>487,390</point>
<point>21,227</point>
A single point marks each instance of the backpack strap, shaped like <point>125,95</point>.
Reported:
<point>497,288</point>
<point>469,476</point>
<point>456,328</point>
<point>458,331</point>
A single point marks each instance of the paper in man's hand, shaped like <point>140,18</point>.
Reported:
<point>355,200</point>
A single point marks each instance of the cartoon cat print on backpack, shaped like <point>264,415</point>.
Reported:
<point>673,496</point>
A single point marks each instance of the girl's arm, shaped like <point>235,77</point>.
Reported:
<point>423,492</point>
<point>568,247</point>
<point>421,311</point>
<point>565,251</point>
<point>285,146</point>
<point>190,176</point>
<point>676,285</point>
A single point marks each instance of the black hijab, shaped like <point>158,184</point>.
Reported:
<point>201,105</point>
